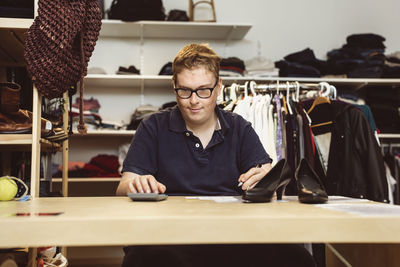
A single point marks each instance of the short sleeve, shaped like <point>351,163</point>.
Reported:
<point>252,151</point>
<point>142,154</point>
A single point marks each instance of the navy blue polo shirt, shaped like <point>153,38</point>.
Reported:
<point>164,148</point>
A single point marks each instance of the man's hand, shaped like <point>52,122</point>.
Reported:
<point>134,183</point>
<point>254,175</point>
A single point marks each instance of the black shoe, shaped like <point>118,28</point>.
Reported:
<point>310,188</point>
<point>275,180</point>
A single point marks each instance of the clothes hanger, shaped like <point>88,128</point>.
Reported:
<point>252,88</point>
<point>333,89</point>
<point>232,92</point>
<point>297,91</point>
<point>277,87</point>
<point>246,86</point>
<point>221,96</point>
<point>287,99</point>
<point>320,99</point>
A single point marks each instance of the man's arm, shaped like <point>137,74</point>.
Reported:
<point>254,175</point>
<point>134,183</point>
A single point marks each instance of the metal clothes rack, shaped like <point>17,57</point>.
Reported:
<point>278,86</point>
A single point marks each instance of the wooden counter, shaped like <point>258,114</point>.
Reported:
<point>119,221</point>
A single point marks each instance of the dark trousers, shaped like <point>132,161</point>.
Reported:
<point>280,255</point>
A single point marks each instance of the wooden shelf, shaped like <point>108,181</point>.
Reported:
<point>115,80</point>
<point>23,142</point>
<point>15,139</point>
<point>15,23</point>
<point>174,29</point>
<point>106,133</point>
<point>87,179</point>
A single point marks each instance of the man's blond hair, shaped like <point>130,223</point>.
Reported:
<point>196,55</point>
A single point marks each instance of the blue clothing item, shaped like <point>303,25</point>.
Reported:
<point>164,148</point>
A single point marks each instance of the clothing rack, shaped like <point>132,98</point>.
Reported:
<point>282,86</point>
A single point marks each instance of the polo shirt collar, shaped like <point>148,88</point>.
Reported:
<point>177,123</point>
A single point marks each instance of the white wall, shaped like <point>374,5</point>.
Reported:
<point>281,27</point>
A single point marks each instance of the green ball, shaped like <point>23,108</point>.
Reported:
<point>8,189</point>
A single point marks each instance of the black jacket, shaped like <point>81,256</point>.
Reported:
<point>355,165</point>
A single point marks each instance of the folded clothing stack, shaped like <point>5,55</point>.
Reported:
<point>301,64</point>
<point>141,113</point>
<point>392,66</point>
<point>361,57</point>
<point>232,67</point>
<point>101,165</point>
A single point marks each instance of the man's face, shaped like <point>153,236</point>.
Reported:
<point>196,110</point>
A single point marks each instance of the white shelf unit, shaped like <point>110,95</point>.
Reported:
<point>174,29</point>
<point>109,80</point>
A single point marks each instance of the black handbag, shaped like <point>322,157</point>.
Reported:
<point>134,10</point>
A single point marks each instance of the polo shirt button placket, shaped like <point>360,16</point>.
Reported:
<point>187,134</point>
<point>197,145</point>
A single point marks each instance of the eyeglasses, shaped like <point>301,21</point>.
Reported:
<point>185,93</point>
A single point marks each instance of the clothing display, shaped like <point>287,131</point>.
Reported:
<point>361,57</point>
<point>354,168</point>
<point>232,66</point>
<point>98,166</point>
<point>301,64</point>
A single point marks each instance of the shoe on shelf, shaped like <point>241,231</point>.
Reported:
<point>21,122</point>
<point>56,135</point>
<point>309,185</point>
<point>130,70</point>
<point>274,181</point>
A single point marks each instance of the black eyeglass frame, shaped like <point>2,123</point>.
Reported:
<point>195,91</point>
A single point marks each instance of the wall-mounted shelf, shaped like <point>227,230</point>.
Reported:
<point>114,80</point>
<point>174,29</point>
<point>105,133</point>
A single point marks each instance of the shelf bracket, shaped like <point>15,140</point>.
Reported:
<point>228,39</point>
<point>141,48</point>
<point>142,91</point>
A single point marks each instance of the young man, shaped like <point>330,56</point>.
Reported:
<point>194,148</point>
<point>198,149</point>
